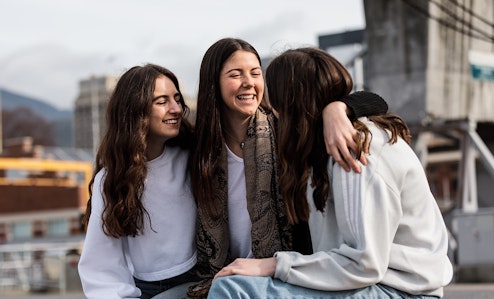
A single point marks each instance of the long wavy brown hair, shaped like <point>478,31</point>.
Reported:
<point>301,82</point>
<point>122,152</point>
<point>209,133</point>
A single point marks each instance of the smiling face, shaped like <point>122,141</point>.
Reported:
<point>166,112</point>
<point>241,84</point>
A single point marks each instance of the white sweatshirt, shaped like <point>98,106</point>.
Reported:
<point>165,249</point>
<point>383,226</point>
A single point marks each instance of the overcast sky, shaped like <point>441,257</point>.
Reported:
<point>47,46</point>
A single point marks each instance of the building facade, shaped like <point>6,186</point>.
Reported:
<point>90,109</point>
<point>419,59</point>
<point>42,196</point>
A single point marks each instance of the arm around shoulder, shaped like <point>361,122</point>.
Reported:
<point>365,103</point>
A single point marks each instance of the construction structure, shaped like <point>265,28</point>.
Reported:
<point>433,62</point>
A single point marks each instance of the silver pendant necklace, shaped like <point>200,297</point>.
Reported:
<point>241,143</point>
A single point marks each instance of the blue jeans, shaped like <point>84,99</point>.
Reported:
<point>250,287</point>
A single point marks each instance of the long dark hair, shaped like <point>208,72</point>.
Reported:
<point>301,83</point>
<point>209,134</point>
<point>122,152</point>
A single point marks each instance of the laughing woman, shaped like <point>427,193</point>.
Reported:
<point>377,234</point>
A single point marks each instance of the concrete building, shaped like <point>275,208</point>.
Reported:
<point>90,110</point>
<point>433,61</point>
<point>418,57</point>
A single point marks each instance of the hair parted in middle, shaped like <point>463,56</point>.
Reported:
<point>122,152</point>
<point>208,124</point>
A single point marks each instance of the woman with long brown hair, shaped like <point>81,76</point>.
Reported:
<point>235,165</point>
<point>141,215</point>
<point>377,234</point>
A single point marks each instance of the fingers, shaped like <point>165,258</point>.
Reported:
<point>355,166</point>
<point>233,268</point>
<point>342,154</point>
<point>226,271</point>
<point>338,158</point>
<point>363,159</point>
<point>348,160</point>
<point>249,267</point>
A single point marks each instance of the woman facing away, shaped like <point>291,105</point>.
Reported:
<point>377,234</point>
<point>235,165</point>
<point>140,219</point>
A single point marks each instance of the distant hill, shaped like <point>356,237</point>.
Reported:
<point>61,119</point>
<point>12,100</point>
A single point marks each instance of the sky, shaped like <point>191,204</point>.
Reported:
<point>48,46</point>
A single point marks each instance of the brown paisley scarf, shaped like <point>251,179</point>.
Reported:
<point>270,229</point>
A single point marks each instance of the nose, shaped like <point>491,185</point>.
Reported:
<point>176,107</point>
<point>248,81</point>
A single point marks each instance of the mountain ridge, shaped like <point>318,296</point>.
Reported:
<point>62,120</point>
<point>13,100</point>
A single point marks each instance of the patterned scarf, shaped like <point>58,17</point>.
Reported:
<point>270,229</point>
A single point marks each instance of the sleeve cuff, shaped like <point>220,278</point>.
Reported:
<point>365,103</point>
<point>283,265</point>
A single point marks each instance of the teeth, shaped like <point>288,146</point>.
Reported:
<point>171,121</point>
<point>246,97</point>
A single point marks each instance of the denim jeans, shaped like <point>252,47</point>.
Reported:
<point>250,287</point>
<point>150,289</point>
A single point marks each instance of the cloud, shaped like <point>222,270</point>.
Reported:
<point>183,60</point>
<point>47,47</point>
<point>50,68</point>
<point>283,32</point>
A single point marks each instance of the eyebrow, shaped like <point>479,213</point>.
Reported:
<point>240,70</point>
<point>166,96</point>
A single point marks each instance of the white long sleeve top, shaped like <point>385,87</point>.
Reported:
<point>381,226</point>
<point>165,249</point>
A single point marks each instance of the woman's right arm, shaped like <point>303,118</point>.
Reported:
<point>103,268</point>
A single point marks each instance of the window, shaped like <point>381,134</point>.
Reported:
<point>21,230</point>
<point>58,228</point>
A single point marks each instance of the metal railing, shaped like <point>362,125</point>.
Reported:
<point>37,266</point>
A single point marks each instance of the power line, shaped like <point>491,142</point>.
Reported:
<point>425,12</point>
<point>472,13</point>
<point>462,21</point>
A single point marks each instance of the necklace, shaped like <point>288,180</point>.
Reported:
<point>240,142</point>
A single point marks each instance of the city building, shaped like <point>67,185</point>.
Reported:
<point>433,62</point>
<point>90,110</point>
<point>419,59</point>
<point>44,191</point>
<point>43,196</point>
